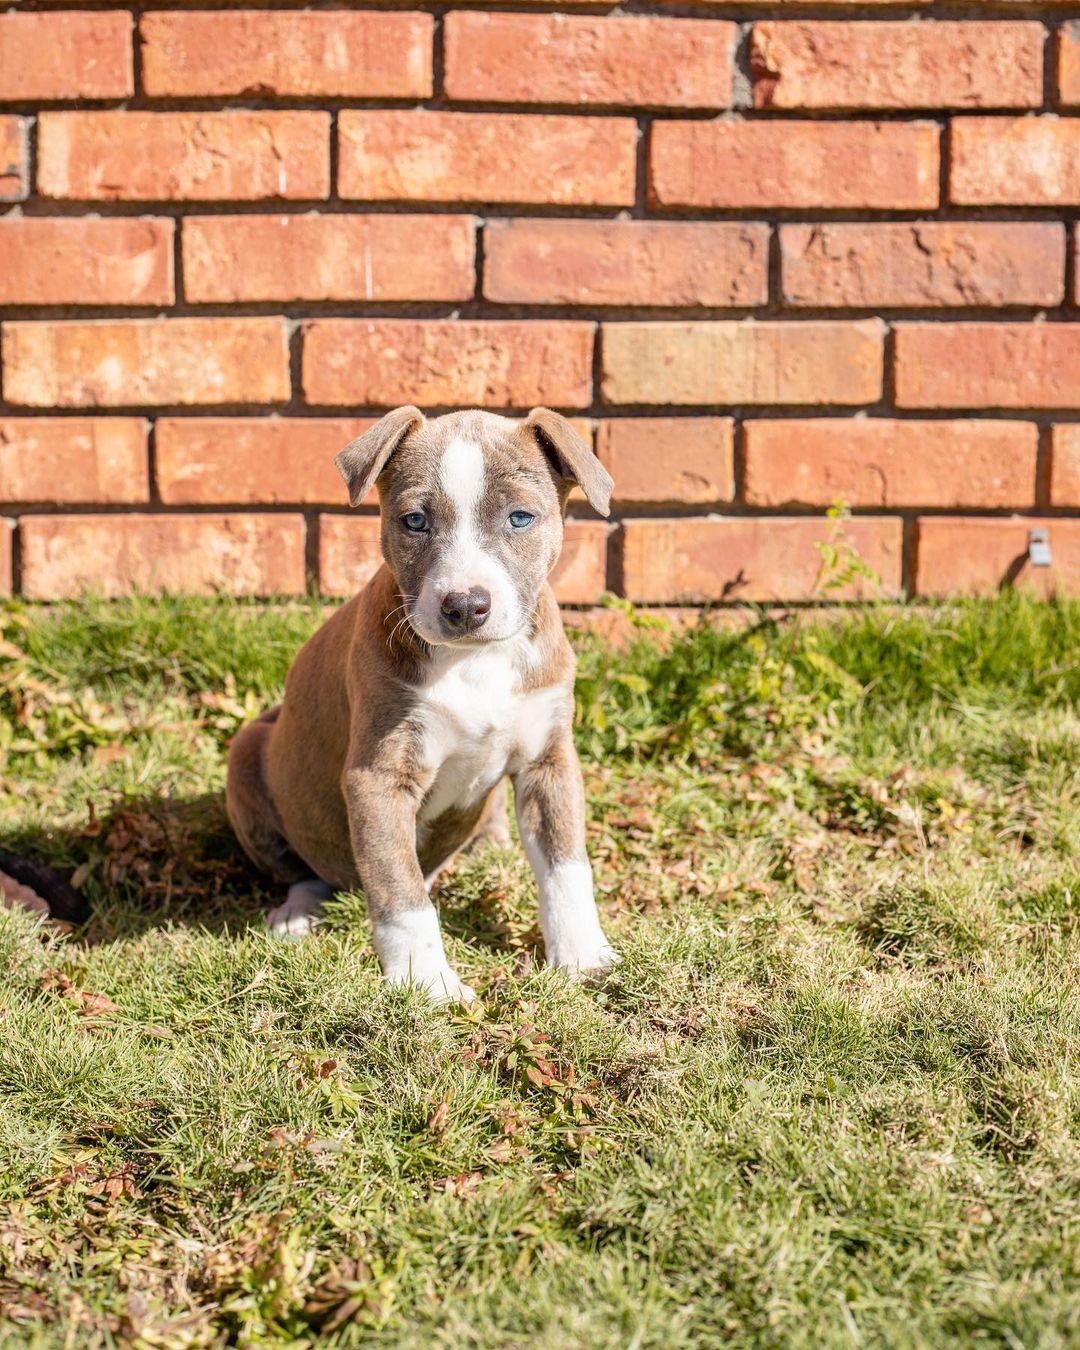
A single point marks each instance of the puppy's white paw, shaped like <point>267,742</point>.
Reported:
<point>584,963</point>
<point>301,912</point>
<point>441,986</point>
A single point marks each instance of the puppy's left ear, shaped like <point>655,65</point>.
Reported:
<point>362,460</point>
<point>571,457</point>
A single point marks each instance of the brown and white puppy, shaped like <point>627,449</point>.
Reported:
<point>450,671</point>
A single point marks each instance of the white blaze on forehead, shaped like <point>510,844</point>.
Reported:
<point>465,559</point>
<point>461,477</point>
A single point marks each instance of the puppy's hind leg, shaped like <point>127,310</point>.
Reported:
<point>255,819</point>
<point>301,912</point>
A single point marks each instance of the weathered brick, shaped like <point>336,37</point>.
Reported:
<point>333,257</point>
<point>384,362</point>
<point>85,261</point>
<point>988,365</point>
<point>796,5</point>
<point>112,555</point>
<point>1015,161</point>
<point>881,462</point>
<point>966,64</point>
<point>13,159</point>
<point>50,57</point>
<point>982,555</point>
<point>73,460</point>
<point>184,156</point>
<point>1065,465</point>
<point>331,54</point>
<point>753,558</point>
<point>486,157</point>
<point>350,554</point>
<point>143,362</point>
<point>1076,265</point>
<point>853,165</point>
<point>669,459</point>
<point>256,461</point>
<point>608,62</point>
<point>580,575</point>
<point>626,262</point>
<point>923,263</point>
<point>751,362</point>
<point>7,534</point>
<point>1068,64</point>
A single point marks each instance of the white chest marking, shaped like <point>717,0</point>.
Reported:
<point>478,725</point>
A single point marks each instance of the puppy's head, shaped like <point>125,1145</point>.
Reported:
<point>472,512</point>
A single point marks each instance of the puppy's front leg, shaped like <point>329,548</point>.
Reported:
<point>549,798</point>
<point>405,927</point>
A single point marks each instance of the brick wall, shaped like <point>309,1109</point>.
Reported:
<point>772,256</point>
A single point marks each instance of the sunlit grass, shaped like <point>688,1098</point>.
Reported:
<point>828,1098</point>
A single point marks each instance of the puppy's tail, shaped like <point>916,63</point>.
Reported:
<point>64,901</point>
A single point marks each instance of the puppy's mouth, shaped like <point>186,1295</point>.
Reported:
<point>481,637</point>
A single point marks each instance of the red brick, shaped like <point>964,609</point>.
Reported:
<point>608,62</point>
<point>968,64</point>
<point>73,460</point>
<point>880,462</point>
<point>750,362</point>
<point>1065,465</point>
<point>1068,64</point>
<point>752,558</point>
<point>384,362</point>
<point>350,554</point>
<point>184,156</point>
<point>13,159</point>
<point>981,556</point>
<point>274,53</point>
<point>7,533</point>
<point>85,261</point>
<point>580,575</point>
<point>141,362</point>
<point>49,57</point>
<point>253,461</point>
<point>923,263</point>
<point>626,262</point>
<point>333,257</point>
<point>796,5</point>
<point>669,459</point>
<point>988,365</point>
<point>1021,161</point>
<point>486,157</point>
<point>851,165</point>
<point>113,555</point>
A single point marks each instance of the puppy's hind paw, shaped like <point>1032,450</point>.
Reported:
<point>301,913</point>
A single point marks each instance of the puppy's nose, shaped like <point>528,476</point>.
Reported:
<point>464,612</point>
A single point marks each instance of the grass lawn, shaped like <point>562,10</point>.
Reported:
<point>830,1097</point>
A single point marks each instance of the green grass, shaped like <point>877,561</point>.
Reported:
<point>830,1097</point>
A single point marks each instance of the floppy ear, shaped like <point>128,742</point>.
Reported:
<point>362,460</point>
<point>571,457</point>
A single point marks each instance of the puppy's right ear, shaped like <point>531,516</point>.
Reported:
<point>362,460</point>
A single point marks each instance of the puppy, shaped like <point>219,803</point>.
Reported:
<point>449,672</point>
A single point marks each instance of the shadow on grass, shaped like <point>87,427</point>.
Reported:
<point>155,861</point>
<point>152,861</point>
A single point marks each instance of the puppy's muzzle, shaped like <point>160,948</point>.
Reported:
<point>465,612</point>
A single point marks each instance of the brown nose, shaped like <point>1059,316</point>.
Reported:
<point>466,613</point>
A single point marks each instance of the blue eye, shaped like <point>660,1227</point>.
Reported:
<point>521,520</point>
<point>416,522</point>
